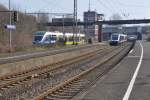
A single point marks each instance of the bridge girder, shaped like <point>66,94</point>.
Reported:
<point>108,22</point>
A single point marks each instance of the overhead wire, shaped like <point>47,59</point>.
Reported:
<point>113,6</point>
<point>101,3</point>
<point>132,5</point>
<point>121,11</point>
<point>128,6</point>
<point>52,4</point>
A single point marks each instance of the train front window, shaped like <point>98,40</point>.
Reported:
<point>53,37</point>
<point>114,37</point>
<point>38,38</point>
<point>50,38</point>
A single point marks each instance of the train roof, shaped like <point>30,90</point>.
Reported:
<point>54,33</point>
<point>119,34</point>
<point>39,33</point>
<point>78,34</point>
<point>57,33</point>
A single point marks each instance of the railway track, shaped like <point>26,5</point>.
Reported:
<point>24,56</point>
<point>71,87</point>
<point>9,76</point>
<point>13,80</point>
<point>55,71</point>
<point>16,78</point>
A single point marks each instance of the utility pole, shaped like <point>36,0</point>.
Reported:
<point>75,22</point>
<point>10,35</point>
<point>63,29</point>
<point>89,5</point>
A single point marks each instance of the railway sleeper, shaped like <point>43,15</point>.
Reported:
<point>68,90</point>
<point>78,85</point>
<point>19,82</point>
<point>52,98</point>
<point>60,96</point>
<point>67,93</point>
<point>77,82</point>
<point>4,88</point>
<point>73,87</point>
<point>67,97</point>
<point>69,86</point>
<point>10,86</point>
<point>14,83</point>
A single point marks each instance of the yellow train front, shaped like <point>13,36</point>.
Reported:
<point>71,38</point>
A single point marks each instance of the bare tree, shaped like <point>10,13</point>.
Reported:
<point>22,36</point>
<point>116,16</point>
<point>42,18</point>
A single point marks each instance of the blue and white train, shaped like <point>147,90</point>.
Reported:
<point>46,38</point>
<point>117,38</point>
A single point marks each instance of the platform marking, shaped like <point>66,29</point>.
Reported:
<point>134,56</point>
<point>130,87</point>
<point>131,51</point>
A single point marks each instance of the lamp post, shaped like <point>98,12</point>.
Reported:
<point>63,30</point>
<point>10,35</point>
<point>75,22</point>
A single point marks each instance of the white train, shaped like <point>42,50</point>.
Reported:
<point>44,38</point>
<point>116,39</point>
<point>131,38</point>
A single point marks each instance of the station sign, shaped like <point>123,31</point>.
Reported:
<point>10,27</point>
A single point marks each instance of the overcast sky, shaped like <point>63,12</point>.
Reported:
<point>126,8</point>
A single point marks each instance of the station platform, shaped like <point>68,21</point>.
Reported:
<point>119,83</point>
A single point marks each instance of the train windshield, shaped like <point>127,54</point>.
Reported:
<point>38,38</point>
<point>50,38</point>
<point>114,37</point>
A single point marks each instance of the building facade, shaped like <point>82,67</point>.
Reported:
<point>92,30</point>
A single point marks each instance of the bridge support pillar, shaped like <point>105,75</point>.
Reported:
<point>100,34</point>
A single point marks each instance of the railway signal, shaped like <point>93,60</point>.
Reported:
<point>15,16</point>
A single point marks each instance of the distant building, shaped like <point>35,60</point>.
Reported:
<point>92,31</point>
<point>63,19</point>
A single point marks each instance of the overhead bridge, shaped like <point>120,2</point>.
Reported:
<point>108,22</point>
<point>100,24</point>
<point>131,21</point>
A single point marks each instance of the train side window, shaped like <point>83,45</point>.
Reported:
<point>70,38</point>
<point>53,37</point>
<point>47,38</point>
<point>121,38</point>
<point>77,39</point>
